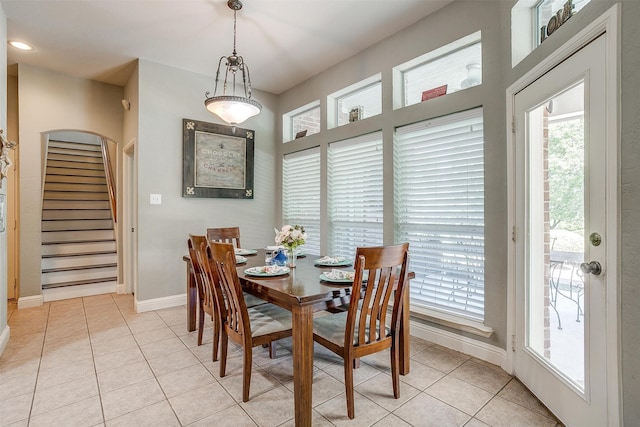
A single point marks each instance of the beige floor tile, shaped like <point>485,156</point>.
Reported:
<point>201,402</point>
<point>17,384</point>
<point>474,422</point>
<point>48,399</point>
<point>154,335</point>
<point>108,334</point>
<point>123,376</point>
<point>66,372</point>
<point>324,387</point>
<point>317,420</point>
<point>503,413</point>
<point>11,369</point>
<point>158,414</point>
<point>15,409</point>
<point>234,416</point>
<point>162,347</point>
<point>488,377</point>
<point>183,380</point>
<point>86,413</point>
<point>131,398</point>
<point>380,390</point>
<point>146,324</point>
<point>20,353</point>
<point>421,376</point>
<point>392,421</point>
<point>518,393</point>
<point>172,362</point>
<point>190,339</point>
<point>440,358</point>
<point>102,346</point>
<point>61,333</point>
<point>281,369</point>
<point>367,412</point>
<point>271,408</point>
<point>416,345</point>
<point>261,382</point>
<point>261,355</point>
<point>103,325</point>
<point>173,316</point>
<point>360,375</point>
<point>181,329</point>
<point>459,394</point>
<point>380,360</point>
<point>424,410</point>
<point>204,352</point>
<point>35,340</point>
<point>118,359</point>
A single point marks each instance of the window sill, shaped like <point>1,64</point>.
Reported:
<point>452,321</point>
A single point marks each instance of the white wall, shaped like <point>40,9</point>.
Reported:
<point>53,102</point>
<point>3,125</point>
<point>166,96</point>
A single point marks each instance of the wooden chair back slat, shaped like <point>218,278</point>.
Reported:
<point>224,235</point>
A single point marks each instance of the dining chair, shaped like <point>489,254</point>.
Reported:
<point>225,235</point>
<point>207,303</point>
<point>380,278</point>
<point>247,326</point>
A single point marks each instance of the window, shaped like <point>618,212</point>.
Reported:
<point>439,210</point>
<point>356,102</point>
<point>303,121</point>
<point>301,195</point>
<point>548,19</point>
<point>457,65</point>
<point>355,194</point>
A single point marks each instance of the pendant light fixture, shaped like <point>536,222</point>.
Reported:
<point>231,108</point>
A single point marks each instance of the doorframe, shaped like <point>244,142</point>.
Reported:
<point>608,23</point>
<point>129,206</point>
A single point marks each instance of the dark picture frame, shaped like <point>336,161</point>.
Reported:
<point>217,160</point>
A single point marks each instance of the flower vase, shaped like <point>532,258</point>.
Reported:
<point>291,258</point>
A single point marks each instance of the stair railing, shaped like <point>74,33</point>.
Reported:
<point>109,177</point>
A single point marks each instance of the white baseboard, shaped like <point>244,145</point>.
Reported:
<point>478,349</point>
<point>4,339</point>
<point>121,288</point>
<point>160,303</point>
<point>67,292</point>
<point>32,301</point>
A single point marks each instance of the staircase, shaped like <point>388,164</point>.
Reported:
<point>78,240</point>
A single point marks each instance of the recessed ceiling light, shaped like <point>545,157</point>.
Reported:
<point>20,45</point>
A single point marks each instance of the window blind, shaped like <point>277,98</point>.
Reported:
<point>439,210</point>
<point>355,194</point>
<point>301,195</point>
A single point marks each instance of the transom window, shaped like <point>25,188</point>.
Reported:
<point>303,121</point>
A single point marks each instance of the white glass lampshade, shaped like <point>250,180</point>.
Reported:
<point>232,109</point>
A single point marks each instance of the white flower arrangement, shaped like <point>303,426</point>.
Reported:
<point>291,237</point>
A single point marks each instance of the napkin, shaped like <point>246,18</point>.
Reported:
<point>336,274</point>
<point>331,260</point>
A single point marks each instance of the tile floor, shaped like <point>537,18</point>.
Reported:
<point>93,362</point>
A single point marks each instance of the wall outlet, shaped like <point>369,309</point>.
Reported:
<point>155,199</point>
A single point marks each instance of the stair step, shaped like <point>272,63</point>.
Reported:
<point>75,165</point>
<point>79,235</point>
<point>75,145</point>
<point>62,171</point>
<point>79,282</point>
<point>74,195</point>
<point>75,204</point>
<point>75,186</point>
<point>65,275</point>
<point>77,262</point>
<point>51,178</point>
<point>79,268</point>
<point>79,254</point>
<point>64,243</point>
<point>74,159</point>
<point>74,152</point>
<point>70,214</point>
<point>77,224</point>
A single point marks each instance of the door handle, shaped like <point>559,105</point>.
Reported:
<point>592,267</point>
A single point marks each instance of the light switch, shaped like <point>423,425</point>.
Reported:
<point>155,199</point>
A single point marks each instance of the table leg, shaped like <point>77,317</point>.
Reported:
<point>192,299</point>
<point>405,337</point>
<point>302,363</point>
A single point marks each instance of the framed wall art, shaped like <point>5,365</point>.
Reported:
<point>217,160</point>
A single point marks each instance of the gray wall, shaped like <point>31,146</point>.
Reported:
<point>166,96</point>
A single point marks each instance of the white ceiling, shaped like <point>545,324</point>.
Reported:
<point>284,42</point>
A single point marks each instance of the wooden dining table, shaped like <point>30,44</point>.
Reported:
<point>302,292</point>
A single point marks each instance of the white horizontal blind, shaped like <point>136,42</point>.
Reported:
<point>439,210</point>
<point>301,195</point>
<point>355,194</point>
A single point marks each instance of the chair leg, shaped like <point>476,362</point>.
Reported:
<point>216,336</point>
<point>200,323</point>
<point>246,372</point>
<point>224,341</point>
<point>272,350</point>
<point>395,368</point>
<point>348,386</point>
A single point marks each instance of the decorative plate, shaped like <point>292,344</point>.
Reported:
<point>267,271</point>
<point>240,259</point>
<point>241,251</point>
<point>330,263</point>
